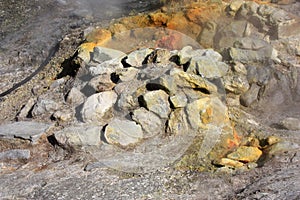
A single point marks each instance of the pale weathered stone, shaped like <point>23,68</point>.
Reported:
<point>150,122</point>
<point>101,83</point>
<point>44,106</point>
<point>136,58</point>
<point>236,83</point>
<point>96,107</point>
<point>250,96</point>
<point>206,111</point>
<point>177,123</point>
<point>123,132</point>
<point>15,154</point>
<point>25,130</point>
<point>102,54</point>
<point>79,135</point>
<point>179,100</point>
<point>291,123</point>
<point>230,163</point>
<point>246,154</point>
<point>75,97</point>
<point>106,67</point>
<point>127,74</point>
<point>157,102</point>
<point>207,67</point>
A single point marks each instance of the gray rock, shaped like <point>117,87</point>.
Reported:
<point>226,36</point>
<point>250,43</point>
<point>177,123</point>
<point>291,123</point>
<point>127,74</point>
<point>26,130</point>
<point>75,97</point>
<point>206,37</point>
<point>136,58</point>
<point>96,109</point>
<point>26,109</point>
<point>63,115</point>
<point>250,56</point>
<point>79,135</point>
<point>240,68</point>
<point>102,54</point>
<point>236,83</point>
<point>179,100</point>
<point>150,123</point>
<point>44,106</point>
<point>157,102</point>
<point>106,67</point>
<point>123,132</point>
<point>15,154</point>
<point>207,67</point>
<point>101,83</point>
<point>250,96</point>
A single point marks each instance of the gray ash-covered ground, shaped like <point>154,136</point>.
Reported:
<point>29,29</point>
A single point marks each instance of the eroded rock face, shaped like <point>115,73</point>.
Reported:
<point>97,106</point>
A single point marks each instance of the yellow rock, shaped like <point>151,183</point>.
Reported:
<point>272,140</point>
<point>246,154</point>
<point>230,162</point>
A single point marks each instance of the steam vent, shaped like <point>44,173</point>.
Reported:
<point>150,99</point>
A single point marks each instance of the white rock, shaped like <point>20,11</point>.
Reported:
<point>96,107</point>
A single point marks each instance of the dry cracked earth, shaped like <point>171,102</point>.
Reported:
<point>39,53</point>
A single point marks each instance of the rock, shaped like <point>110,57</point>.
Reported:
<point>101,83</point>
<point>250,56</point>
<point>106,67</point>
<point>246,154</point>
<point>272,140</point>
<point>206,111</point>
<point>102,54</point>
<point>291,123</point>
<point>179,100</point>
<point>123,132</point>
<point>136,58</point>
<point>75,97</point>
<point>44,106</point>
<point>26,130</point>
<point>63,115</point>
<point>240,68</point>
<point>79,135</point>
<point>159,18</point>
<point>161,56</point>
<point>127,74</point>
<point>180,23</point>
<point>150,123</point>
<point>25,111</point>
<point>206,37</point>
<point>230,163</point>
<point>157,102</point>
<point>281,147</point>
<point>250,96</point>
<point>207,67</point>
<point>129,92</point>
<point>186,80</point>
<point>225,37</point>
<point>15,154</point>
<point>248,43</point>
<point>177,123</point>
<point>235,5</point>
<point>236,83</point>
<point>96,109</point>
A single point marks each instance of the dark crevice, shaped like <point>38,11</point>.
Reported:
<point>202,90</point>
<point>69,67</point>
<point>155,86</point>
<point>124,63</point>
<point>114,78</point>
<point>102,136</point>
<point>52,140</point>
<point>142,102</point>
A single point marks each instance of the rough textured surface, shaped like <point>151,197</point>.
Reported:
<point>56,171</point>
